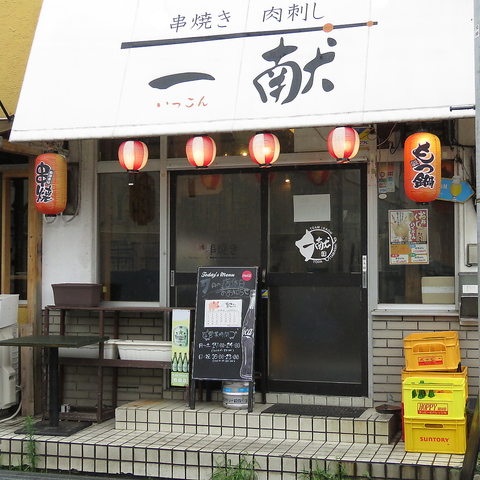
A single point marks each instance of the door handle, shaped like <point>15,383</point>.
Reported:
<point>172,278</point>
<point>364,271</point>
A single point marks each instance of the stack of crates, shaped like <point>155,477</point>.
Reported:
<point>434,394</point>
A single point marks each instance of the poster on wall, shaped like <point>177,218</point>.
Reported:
<point>408,236</point>
<point>386,179</point>
<point>224,336</point>
<point>180,348</point>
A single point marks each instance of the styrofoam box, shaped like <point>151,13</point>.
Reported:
<point>90,351</point>
<point>152,350</point>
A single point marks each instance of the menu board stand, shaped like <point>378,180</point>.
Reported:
<point>224,331</point>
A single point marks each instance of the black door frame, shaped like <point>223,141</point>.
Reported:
<point>267,279</point>
<point>304,279</point>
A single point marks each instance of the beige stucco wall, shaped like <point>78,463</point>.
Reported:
<point>17,27</point>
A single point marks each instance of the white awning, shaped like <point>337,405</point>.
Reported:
<point>140,68</point>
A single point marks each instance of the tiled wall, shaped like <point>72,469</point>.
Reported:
<point>387,348</point>
<point>80,387</point>
<point>388,355</point>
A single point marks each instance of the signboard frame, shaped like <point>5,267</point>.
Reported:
<point>224,329</point>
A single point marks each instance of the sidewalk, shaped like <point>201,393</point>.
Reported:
<point>18,475</point>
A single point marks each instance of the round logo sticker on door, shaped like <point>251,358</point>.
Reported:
<point>317,245</point>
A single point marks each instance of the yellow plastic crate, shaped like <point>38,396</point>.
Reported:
<point>439,375</point>
<point>432,351</point>
<point>439,436</point>
<point>431,398</point>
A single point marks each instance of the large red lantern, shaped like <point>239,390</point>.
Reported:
<point>343,143</point>
<point>422,157</point>
<point>50,183</point>
<point>133,155</point>
<point>264,148</point>
<point>201,151</point>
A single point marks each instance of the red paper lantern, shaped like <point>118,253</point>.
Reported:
<point>422,157</point>
<point>318,177</point>
<point>201,151</point>
<point>264,148</point>
<point>133,155</point>
<point>50,183</point>
<point>343,143</point>
<point>270,177</point>
<point>211,182</point>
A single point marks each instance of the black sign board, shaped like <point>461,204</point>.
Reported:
<point>224,335</point>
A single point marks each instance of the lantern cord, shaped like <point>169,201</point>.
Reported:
<point>71,216</point>
<point>79,201</point>
<point>388,136</point>
<point>47,221</point>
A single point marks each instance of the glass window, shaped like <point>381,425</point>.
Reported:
<point>330,198</point>
<point>216,223</point>
<point>217,216</point>
<point>18,236</point>
<point>129,236</point>
<point>402,283</point>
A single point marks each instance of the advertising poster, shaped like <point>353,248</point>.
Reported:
<point>224,337</point>
<point>408,236</point>
<point>180,348</point>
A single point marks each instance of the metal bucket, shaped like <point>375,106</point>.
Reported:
<point>235,394</point>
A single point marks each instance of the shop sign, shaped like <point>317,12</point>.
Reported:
<point>318,245</point>
<point>224,336</point>
<point>180,348</point>
<point>466,191</point>
<point>408,237</point>
<point>171,67</point>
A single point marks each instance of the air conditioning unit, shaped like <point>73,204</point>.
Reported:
<point>9,359</point>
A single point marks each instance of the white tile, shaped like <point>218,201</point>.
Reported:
<point>165,470</point>
<point>88,465</point>
<point>178,471</point>
<point>76,464</point>
<point>126,467</point>
<point>101,466</point>
<point>192,473</point>
<point>113,468</point>
<point>152,470</point>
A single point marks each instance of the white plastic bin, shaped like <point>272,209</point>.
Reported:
<point>150,350</point>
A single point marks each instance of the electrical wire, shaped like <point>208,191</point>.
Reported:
<point>16,413</point>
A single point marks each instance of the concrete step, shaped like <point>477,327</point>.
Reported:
<point>102,449</point>
<point>212,418</point>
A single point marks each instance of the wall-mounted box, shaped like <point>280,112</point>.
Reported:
<point>468,296</point>
<point>472,254</point>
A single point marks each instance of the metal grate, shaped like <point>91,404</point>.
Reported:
<point>316,410</point>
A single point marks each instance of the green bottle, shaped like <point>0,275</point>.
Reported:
<point>185,364</point>
<point>175,363</point>
<point>180,363</point>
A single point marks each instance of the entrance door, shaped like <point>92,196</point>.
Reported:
<point>306,230</point>
<point>316,300</point>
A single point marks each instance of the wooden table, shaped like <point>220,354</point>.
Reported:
<point>53,342</point>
